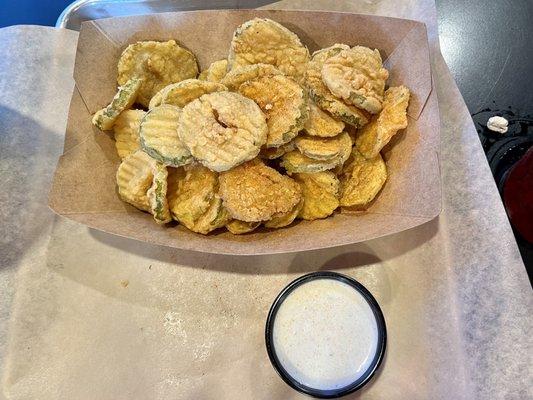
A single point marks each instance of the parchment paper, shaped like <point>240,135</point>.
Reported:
<point>33,111</point>
<point>97,316</point>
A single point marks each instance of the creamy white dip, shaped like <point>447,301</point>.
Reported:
<point>325,334</point>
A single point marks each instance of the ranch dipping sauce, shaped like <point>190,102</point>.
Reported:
<point>323,334</point>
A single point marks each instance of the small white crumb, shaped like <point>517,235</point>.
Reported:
<point>268,106</point>
<point>497,124</point>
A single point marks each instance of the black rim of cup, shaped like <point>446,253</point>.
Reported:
<point>380,350</point>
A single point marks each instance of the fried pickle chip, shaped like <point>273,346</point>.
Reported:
<point>284,104</point>
<point>321,124</point>
<point>276,152</point>
<point>322,96</point>
<point>215,72</point>
<point>357,76</point>
<point>284,219</point>
<point>321,192</point>
<point>239,227</point>
<point>181,93</point>
<point>237,76</point>
<point>223,129</point>
<point>159,136</point>
<point>215,217</point>
<point>253,192</point>
<point>125,97</point>
<point>295,162</point>
<point>262,40</point>
<point>135,176</point>
<point>393,117</point>
<point>320,148</point>
<point>157,195</point>
<point>158,64</point>
<point>193,199</point>
<point>126,130</point>
<point>361,180</point>
<point>142,182</point>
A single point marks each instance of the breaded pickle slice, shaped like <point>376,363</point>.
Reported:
<point>158,64</point>
<point>125,97</point>
<point>223,129</point>
<point>237,76</point>
<point>159,136</point>
<point>361,180</point>
<point>320,148</point>
<point>182,93</point>
<point>392,118</point>
<point>321,124</point>
<point>323,97</point>
<point>276,152</point>
<point>295,161</point>
<point>357,76</point>
<point>141,182</point>
<point>321,192</point>
<point>240,227</point>
<point>281,220</point>
<point>126,131</point>
<point>215,72</point>
<point>134,177</point>
<point>254,192</point>
<point>284,104</point>
<point>193,198</point>
<point>262,40</point>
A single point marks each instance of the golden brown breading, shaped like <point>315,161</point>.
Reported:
<point>158,64</point>
<point>356,76</point>
<point>182,93</point>
<point>276,152</point>
<point>321,192</point>
<point>374,136</point>
<point>159,136</point>
<point>284,104</point>
<point>295,161</point>
<point>126,131</point>
<point>361,180</point>
<point>223,129</point>
<point>322,96</point>
<point>237,76</point>
<point>320,148</point>
<point>215,72</point>
<point>321,124</point>
<point>105,118</point>
<point>262,40</point>
<point>240,227</point>
<point>193,198</point>
<point>254,192</point>
<point>281,220</point>
<point>141,182</point>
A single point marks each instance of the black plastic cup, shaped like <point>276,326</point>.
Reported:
<point>380,349</point>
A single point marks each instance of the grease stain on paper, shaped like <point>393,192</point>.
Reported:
<point>203,350</point>
<point>173,325</point>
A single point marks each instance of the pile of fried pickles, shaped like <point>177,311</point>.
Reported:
<point>266,136</point>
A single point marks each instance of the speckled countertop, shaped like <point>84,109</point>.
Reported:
<point>91,315</point>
